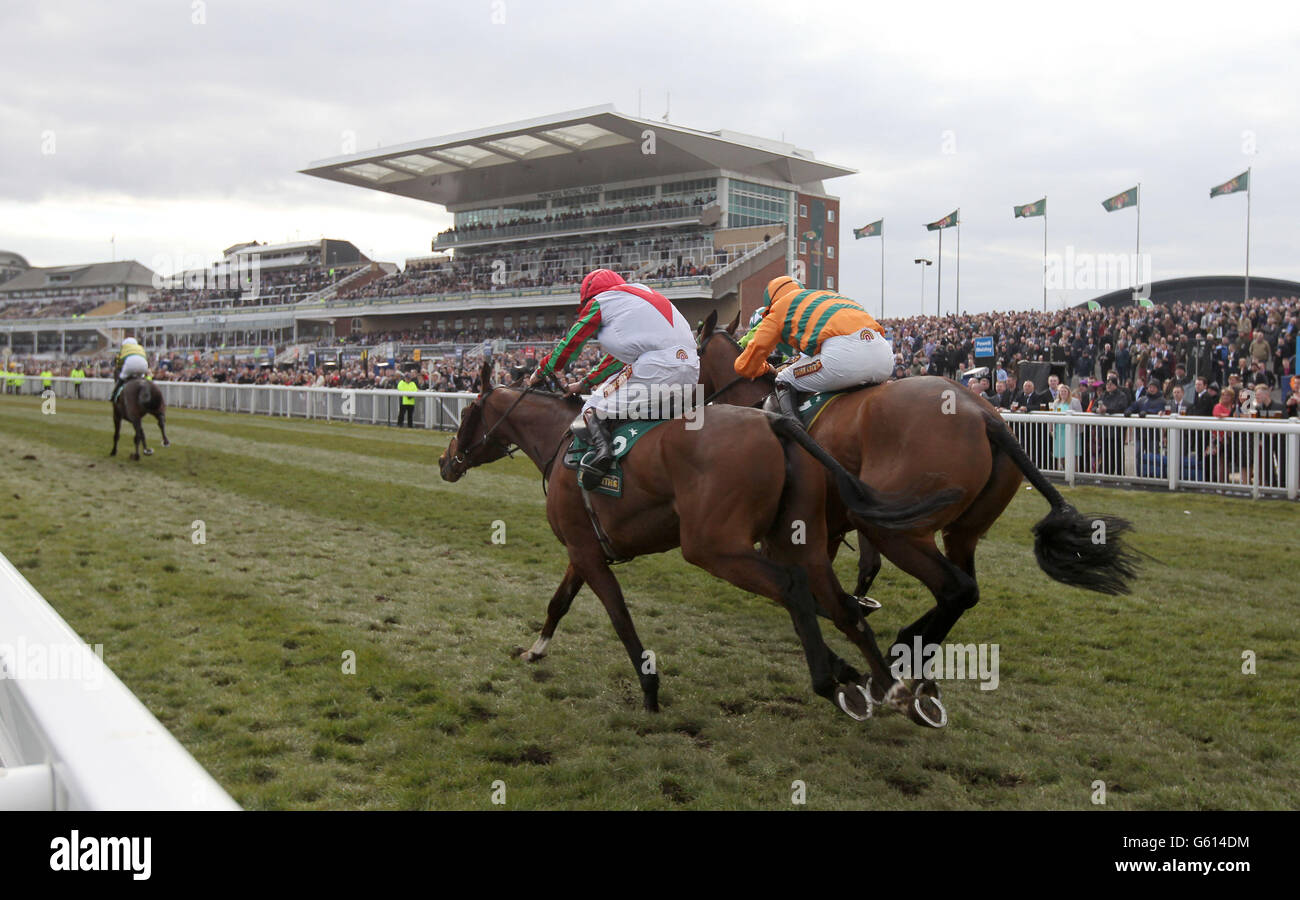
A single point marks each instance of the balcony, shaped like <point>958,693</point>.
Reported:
<point>685,214</point>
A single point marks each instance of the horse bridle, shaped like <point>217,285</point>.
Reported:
<point>730,384</point>
<point>462,456</point>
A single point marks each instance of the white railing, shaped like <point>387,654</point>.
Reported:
<point>1258,457</point>
<point>359,405</point>
<point>747,252</point>
<point>72,736</point>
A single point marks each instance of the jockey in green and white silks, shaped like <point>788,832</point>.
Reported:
<point>131,361</point>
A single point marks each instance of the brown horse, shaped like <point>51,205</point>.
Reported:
<point>139,397</point>
<point>682,489</point>
<point>924,434</point>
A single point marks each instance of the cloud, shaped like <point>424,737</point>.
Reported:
<point>164,127</point>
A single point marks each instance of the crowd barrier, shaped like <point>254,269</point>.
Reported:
<point>1254,457</point>
<point>72,736</point>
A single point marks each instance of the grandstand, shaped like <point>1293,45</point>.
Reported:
<point>708,218</point>
<point>58,308</point>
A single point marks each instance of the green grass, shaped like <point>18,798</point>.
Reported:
<point>323,539</point>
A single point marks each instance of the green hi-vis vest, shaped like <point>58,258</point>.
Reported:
<point>405,385</point>
<point>77,376</point>
<point>47,378</point>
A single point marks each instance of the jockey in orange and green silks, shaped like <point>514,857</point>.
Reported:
<point>840,345</point>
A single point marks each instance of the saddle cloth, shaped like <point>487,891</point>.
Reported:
<point>626,434</point>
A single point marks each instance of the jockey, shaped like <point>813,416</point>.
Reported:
<point>131,361</point>
<point>647,341</point>
<point>783,350</point>
<point>840,345</point>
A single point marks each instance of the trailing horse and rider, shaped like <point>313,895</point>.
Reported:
<point>134,396</point>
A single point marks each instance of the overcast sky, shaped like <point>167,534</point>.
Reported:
<point>179,126</point>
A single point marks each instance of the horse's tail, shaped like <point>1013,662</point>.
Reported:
<point>864,502</point>
<point>1085,551</point>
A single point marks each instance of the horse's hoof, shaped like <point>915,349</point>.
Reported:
<point>167,443</point>
<point>148,452</point>
<point>868,605</point>
<point>854,700</point>
<point>135,457</point>
<point>928,710</point>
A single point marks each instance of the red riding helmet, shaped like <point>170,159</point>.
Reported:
<point>597,281</point>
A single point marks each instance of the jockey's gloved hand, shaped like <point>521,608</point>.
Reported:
<point>576,389</point>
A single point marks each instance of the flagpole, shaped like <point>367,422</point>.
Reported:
<point>1138,255</point>
<point>882,271</point>
<point>1246,299</point>
<point>938,302</point>
<point>959,260</point>
<point>1044,254</point>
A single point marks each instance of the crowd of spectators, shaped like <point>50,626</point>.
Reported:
<point>579,217</point>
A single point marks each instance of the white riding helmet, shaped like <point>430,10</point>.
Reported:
<point>130,342</point>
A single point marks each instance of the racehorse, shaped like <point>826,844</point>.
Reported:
<point>682,488</point>
<point>139,397</point>
<point>923,435</point>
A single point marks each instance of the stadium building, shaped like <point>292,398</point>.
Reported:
<point>707,218</point>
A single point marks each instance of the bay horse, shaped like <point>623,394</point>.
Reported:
<point>139,397</point>
<point>683,488</point>
<point>921,435</point>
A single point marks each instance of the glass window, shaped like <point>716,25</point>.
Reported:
<point>756,204</point>
<point>830,215</point>
<point>830,252</point>
<point>803,211</point>
<point>830,282</point>
<point>803,247</point>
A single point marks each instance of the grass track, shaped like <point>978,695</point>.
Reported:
<point>324,538</point>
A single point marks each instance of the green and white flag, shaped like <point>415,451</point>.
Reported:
<point>810,235</point>
<point>1093,306</point>
<point>1121,201</point>
<point>946,222</point>
<point>1240,183</point>
<point>873,230</point>
<point>1031,209</point>
<point>1145,303</point>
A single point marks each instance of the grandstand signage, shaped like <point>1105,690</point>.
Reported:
<point>983,347</point>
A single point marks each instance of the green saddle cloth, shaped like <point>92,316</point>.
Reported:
<point>626,434</point>
<point>812,405</point>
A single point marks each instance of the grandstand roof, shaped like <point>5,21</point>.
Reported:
<point>125,273</point>
<point>8,257</point>
<point>595,145</point>
<point>1205,288</point>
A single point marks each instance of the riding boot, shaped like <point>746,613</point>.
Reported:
<point>596,462</point>
<point>787,402</point>
<point>117,386</point>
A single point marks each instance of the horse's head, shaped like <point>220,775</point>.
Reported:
<point>718,353</point>
<point>475,443</point>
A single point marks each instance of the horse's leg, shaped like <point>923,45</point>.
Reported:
<point>868,565</point>
<point>161,416</point>
<point>139,438</point>
<point>787,585</point>
<point>117,429</point>
<point>596,572</point>
<point>954,591</point>
<point>559,605</point>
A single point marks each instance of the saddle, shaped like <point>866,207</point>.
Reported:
<point>810,406</point>
<point>625,435</point>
